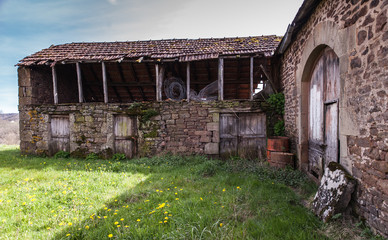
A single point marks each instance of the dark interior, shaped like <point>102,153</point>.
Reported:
<point>133,81</point>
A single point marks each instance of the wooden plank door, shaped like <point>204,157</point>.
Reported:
<point>60,134</point>
<point>228,135</point>
<point>125,131</point>
<point>251,135</point>
<point>242,134</point>
<point>324,113</point>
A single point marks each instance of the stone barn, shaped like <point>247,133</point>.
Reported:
<point>334,74</point>
<point>146,97</point>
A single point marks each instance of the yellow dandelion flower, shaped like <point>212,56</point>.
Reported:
<point>138,220</point>
<point>118,226</point>
<point>48,228</point>
<point>105,217</point>
<point>122,219</point>
<point>115,213</point>
<point>24,203</point>
<point>238,188</point>
<point>166,218</point>
<point>201,199</point>
<point>86,227</point>
<point>176,193</point>
<point>160,221</point>
<point>165,221</point>
<point>116,223</point>
<point>110,235</point>
<point>224,190</point>
<point>67,234</point>
<point>126,226</point>
<point>70,223</point>
<point>221,224</point>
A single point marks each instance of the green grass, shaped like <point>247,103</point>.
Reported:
<point>166,197</point>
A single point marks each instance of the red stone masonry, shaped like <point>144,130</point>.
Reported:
<point>364,75</point>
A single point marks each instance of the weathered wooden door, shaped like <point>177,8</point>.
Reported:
<point>125,135</point>
<point>242,134</point>
<point>60,134</point>
<point>323,113</point>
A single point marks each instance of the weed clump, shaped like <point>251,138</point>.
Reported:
<point>119,157</point>
<point>62,154</point>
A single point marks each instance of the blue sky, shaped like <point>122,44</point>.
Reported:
<point>27,26</point>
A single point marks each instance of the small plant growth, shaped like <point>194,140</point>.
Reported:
<point>62,154</point>
<point>275,112</point>
<point>119,157</point>
<point>92,157</point>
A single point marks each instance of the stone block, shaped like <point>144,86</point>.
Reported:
<point>334,193</point>
<point>174,116</point>
<point>205,139</point>
<point>216,137</point>
<point>213,126</point>
<point>216,117</point>
<point>170,122</point>
<point>201,133</point>
<point>166,116</point>
<point>381,166</point>
<point>211,148</point>
<point>202,113</point>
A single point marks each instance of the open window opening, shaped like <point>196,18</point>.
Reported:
<point>41,85</point>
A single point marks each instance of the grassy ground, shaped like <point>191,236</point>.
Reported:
<point>166,197</point>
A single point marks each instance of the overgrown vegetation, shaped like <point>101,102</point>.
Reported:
<point>165,197</point>
<point>275,112</point>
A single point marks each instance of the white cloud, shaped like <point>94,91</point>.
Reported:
<point>114,2</point>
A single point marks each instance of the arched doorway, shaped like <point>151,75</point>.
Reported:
<point>323,112</point>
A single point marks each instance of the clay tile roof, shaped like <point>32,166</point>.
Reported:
<point>182,49</point>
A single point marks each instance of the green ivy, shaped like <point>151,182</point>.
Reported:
<point>278,128</point>
<point>276,102</point>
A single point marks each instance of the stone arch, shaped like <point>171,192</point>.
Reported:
<point>341,41</point>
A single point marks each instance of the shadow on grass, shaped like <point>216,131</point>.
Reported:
<point>264,211</point>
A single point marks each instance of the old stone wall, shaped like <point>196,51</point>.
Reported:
<point>358,33</point>
<point>175,127</point>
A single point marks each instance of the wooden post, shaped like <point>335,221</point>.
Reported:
<point>79,79</point>
<point>220,79</point>
<point>159,81</point>
<point>105,82</point>
<point>251,78</point>
<point>55,90</point>
<point>188,81</point>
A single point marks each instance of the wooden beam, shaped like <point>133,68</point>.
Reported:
<point>105,82</point>
<point>251,78</point>
<point>79,80</point>
<point>188,81</point>
<point>55,90</point>
<point>268,78</point>
<point>220,79</point>
<point>123,80</point>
